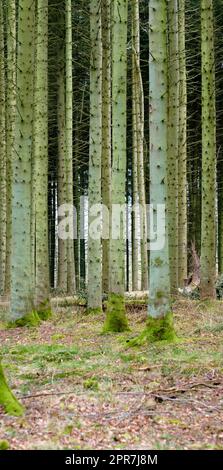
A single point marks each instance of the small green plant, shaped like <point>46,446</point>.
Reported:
<point>91,384</point>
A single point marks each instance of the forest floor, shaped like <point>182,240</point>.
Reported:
<point>84,390</point>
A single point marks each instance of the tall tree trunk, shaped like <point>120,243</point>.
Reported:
<point>106,132</point>
<point>160,317</point>
<point>135,154</point>
<point>208,230</point>
<point>22,291</point>
<point>116,319</point>
<point>71,287</point>
<point>62,173</point>
<point>3,215</point>
<point>140,148</point>
<point>40,179</point>
<point>94,186</point>
<point>182,167</point>
<point>173,130</point>
<point>10,128</point>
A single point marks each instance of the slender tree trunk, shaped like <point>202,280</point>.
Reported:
<point>106,132</point>
<point>94,187</point>
<point>3,205</point>
<point>40,179</point>
<point>140,150</point>
<point>71,287</point>
<point>10,128</point>
<point>62,173</point>
<point>182,167</point>
<point>22,291</point>
<point>208,230</point>
<point>77,205</point>
<point>173,132</point>
<point>220,221</point>
<point>116,319</point>
<point>135,154</point>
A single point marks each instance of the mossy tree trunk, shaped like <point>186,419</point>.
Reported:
<point>208,227</point>
<point>159,288</point>
<point>182,162</point>
<point>10,127</point>
<point>106,132</point>
<point>3,205</point>
<point>22,289</point>
<point>7,400</point>
<point>94,186</point>
<point>173,132</point>
<point>116,318</point>
<point>40,179</point>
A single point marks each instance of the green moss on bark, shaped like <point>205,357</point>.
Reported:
<point>157,329</point>
<point>93,311</point>
<point>7,399</point>
<point>116,320</point>
<point>44,311</point>
<point>32,319</point>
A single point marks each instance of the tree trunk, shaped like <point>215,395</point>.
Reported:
<point>160,318</point>
<point>71,287</point>
<point>116,319</point>
<point>94,185</point>
<point>7,399</point>
<point>208,230</point>
<point>135,154</point>
<point>10,128</point>
<point>182,167</point>
<point>40,180</point>
<point>62,171</point>
<point>3,205</point>
<point>173,130</point>
<point>22,291</point>
<point>106,133</point>
<point>140,150</point>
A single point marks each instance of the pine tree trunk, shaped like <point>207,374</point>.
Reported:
<point>106,132</point>
<point>62,173</point>
<point>173,130</point>
<point>40,180</point>
<point>116,319</point>
<point>71,287</point>
<point>140,149</point>
<point>135,154</point>
<point>159,303</point>
<point>94,185</point>
<point>10,128</point>
<point>3,205</point>
<point>208,230</point>
<point>182,167</point>
<point>22,292</point>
